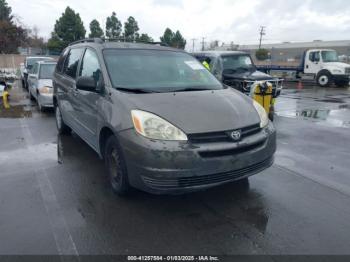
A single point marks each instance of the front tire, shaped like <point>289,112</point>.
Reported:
<point>324,79</point>
<point>62,128</point>
<point>116,168</point>
<point>32,98</point>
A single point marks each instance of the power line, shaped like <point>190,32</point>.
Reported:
<point>262,33</point>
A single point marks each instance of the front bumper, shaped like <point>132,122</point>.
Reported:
<point>46,100</point>
<point>341,78</point>
<point>176,167</point>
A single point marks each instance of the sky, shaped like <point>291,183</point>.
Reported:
<point>224,20</point>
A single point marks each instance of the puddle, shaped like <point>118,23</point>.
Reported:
<point>17,111</point>
<point>333,117</point>
<point>45,154</point>
<point>331,100</point>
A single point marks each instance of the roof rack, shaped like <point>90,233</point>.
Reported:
<point>119,39</point>
<point>87,40</point>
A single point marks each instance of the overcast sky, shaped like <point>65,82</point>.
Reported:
<point>225,20</point>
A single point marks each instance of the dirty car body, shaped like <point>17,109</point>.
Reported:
<point>176,127</point>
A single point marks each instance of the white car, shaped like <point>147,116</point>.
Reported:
<point>40,83</point>
<point>2,89</point>
<point>28,65</point>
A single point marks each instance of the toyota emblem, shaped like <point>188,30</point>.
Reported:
<point>236,135</point>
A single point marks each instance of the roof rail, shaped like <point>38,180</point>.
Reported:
<point>122,39</point>
<point>87,40</point>
<point>118,39</point>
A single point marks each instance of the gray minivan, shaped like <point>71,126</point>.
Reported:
<point>159,119</point>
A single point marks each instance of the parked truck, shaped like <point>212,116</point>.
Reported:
<point>320,65</point>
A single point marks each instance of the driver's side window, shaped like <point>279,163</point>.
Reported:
<point>90,66</point>
<point>314,57</point>
<point>34,69</point>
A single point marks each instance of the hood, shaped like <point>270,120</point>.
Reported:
<point>199,111</point>
<point>339,65</point>
<point>44,82</point>
<point>249,75</point>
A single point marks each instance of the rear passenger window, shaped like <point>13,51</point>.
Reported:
<point>90,66</point>
<point>72,61</point>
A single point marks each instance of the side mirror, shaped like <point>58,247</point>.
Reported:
<point>86,83</point>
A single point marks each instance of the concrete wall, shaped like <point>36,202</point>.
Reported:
<point>11,61</point>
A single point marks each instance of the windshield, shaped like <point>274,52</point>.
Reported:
<point>32,61</point>
<point>329,56</point>
<point>157,71</point>
<point>46,71</point>
<point>237,62</point>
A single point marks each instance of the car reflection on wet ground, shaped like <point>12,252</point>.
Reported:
<point>55,199</point>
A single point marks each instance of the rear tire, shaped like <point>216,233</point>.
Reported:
<point>324,79</point>
<point>116,168</point>
<point>62,128</point>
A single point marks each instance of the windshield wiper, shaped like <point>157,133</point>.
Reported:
<point>136,90</point>
<point>191,89</point>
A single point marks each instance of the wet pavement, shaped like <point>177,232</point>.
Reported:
<point>55,199</point>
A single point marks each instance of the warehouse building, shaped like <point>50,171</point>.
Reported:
<point>292,52</point>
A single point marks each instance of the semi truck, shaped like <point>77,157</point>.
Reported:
<point>319,65</point>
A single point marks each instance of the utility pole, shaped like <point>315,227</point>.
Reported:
<point>203,43</point>
<point>262,33</point>
<point>193,40</point>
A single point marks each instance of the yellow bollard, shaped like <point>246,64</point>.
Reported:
<point>5,95</point>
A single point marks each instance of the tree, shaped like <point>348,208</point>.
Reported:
<point>213,44</point>
<point>173,39</point>
<point>55,44</point>
<point>262,54</point>
<point>167,37</point>
<point>145,38</point>
<point>178,41</point>
<point>34,40</point>
<point>5,12</point>
<point>11,35</point>
<point>68,28</point>
<point>113,26</point>
<point>131,29</point>
<point>95,29</point>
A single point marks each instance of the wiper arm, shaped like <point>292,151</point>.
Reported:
<point>136,90</point>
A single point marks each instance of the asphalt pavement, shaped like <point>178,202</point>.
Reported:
<point>55,198</point>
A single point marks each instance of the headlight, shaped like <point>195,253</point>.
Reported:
<point>264,120</point>
<point>154,127</point>
<point>45,90</point>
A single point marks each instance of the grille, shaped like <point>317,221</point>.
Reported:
<point>223,136</point>
<point>207,179</point>
<point>230,152</point>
